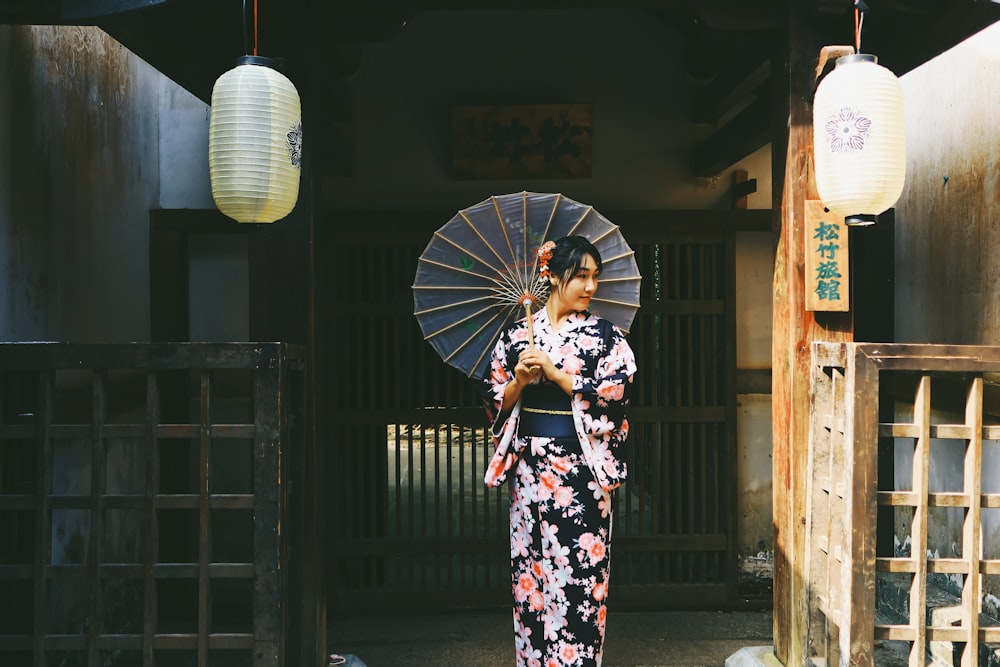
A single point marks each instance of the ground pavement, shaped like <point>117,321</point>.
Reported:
<point>634,639</point>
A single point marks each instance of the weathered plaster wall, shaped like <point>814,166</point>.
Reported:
<point>83,147</point>
<point>754,269</point>
<point>95,137</point>
<point>947,235</point>
<point>948,217</point>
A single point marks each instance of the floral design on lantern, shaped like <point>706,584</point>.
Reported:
<point>848,130</point>
<point>294,137</point>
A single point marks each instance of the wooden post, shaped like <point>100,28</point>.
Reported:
<point>795,329</point>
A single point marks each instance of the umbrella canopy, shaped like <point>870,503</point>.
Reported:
<point>479,270</point>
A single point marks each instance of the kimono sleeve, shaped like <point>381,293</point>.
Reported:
<point>608,387</point>
<point>494,382</point>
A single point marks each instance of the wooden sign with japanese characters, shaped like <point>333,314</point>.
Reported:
<point>827,267</point>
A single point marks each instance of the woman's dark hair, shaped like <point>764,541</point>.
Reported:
<point>568,255</point>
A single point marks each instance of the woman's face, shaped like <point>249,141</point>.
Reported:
<point>575,291</point>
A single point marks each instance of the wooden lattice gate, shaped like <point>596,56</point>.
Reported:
<point>410,524</point>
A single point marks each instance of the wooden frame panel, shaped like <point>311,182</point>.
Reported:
<point>47,420</point>
<point>842,564</point>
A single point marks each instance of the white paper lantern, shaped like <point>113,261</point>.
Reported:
<point>859,139</point>
<point>255,142</point>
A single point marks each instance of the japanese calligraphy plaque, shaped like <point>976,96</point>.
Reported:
<point>522,141</point>
<point>827,263</point>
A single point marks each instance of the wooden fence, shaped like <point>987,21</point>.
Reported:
<point>151,497</point>
<point>867,532</point>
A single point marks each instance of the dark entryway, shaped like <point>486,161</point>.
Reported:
<point>409,522</point>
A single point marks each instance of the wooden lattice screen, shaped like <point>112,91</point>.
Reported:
<point>151,498</point>
<point>847,501</point>
<point>410,444</point>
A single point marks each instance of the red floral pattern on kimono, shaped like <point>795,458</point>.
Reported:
<point>560,503</point>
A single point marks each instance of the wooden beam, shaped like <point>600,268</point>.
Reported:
<point>741,136</point>
<point>737,87</point>
<point>743,187</point>
<point>794,329</point>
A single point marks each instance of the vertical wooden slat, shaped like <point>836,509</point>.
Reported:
<point>918,536</point>
<point>43,514</point>
<point>150,536</point>
<point>98,473</point>
<point>861,448</point>
<point>836,530</point>
<point>972,525</point>
<point>821,401</point>
<point>268,603</point>
<point>204,520</point>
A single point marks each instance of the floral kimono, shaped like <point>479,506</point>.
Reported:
<point>560,509</point>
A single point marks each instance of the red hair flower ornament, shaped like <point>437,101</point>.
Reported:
<point>544,255</point>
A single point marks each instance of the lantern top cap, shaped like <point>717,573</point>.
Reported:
<point>857,58</point>
<point>257,60</point>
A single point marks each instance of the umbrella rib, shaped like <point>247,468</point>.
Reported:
<point>461,346</point>
<point>485,242</point>
<point>503,228</point>
<point>503,284</point>
<point>455,304</point>
<point>552,216</point>
<point>464,287</point>
<point>524,235</point>
<point>457,269</point>
<point>626,255</point>
<point>612,228</point>
<point>459,323</point>
<point>576,224</point>
<point>486,348</point>
<point>510,286</point>
<point>465,250</point>
<point>505,293</point>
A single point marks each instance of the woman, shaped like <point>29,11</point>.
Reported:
<point>556,407</point>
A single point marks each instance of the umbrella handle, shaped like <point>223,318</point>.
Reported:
<point>531,334</point>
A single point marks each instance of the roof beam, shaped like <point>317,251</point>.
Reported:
<point>748,131</point>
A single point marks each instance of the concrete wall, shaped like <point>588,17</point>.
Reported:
<point>947,232</point>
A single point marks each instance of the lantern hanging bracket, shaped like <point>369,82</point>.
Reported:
<point>831,52</point>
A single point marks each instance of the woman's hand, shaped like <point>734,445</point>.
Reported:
<point>529,368</point>
<point>538,363</point>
